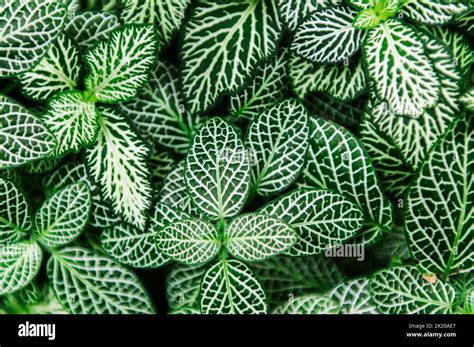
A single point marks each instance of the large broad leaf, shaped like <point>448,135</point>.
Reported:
<point>292,12</point>
<point>321,218</point>
<point>89,27</point>
<point>309,304</point>
<point>190,241</point>
<point>166,15</point>
<point>119,67</point>
<point>286,277</point>
<point>268,86</point>
<point>217,170</point>
<point>15,218</point>
<point>117,162</point>
<point>72,120</point>
<point>353,297</point>
<point>402,72</point>
<point>344,82</point>
<point>337,161</point>
<point>88,283</point>
<point>26,30</point>
<point>230,287</point>
<point>183,285</point>
<point>404,290</point>
<point>277,142</point>
<point>440,206</point>
<point>159,111</point>
<point>23,136</point>
<point>19,264</point>
<point>63,216</point>
<point>253,237</point>
<point>223,42</point>
<point>57,71</point>
<point>431,12</point>
<point>327,36</point>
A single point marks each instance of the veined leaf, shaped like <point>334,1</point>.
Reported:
<point>63,216</point>
<point>431,12</point>
<point>183,285</point>
<point>308,304</point>
<point>292,12</point>
<point>223,43</point>
<point>285,277</point>
<point>72,120</point>
<point>164,215</point>
<point>353,297</point>
<point>217,170</point>
<point>41,166</point>
<point>19,264</point>
<point>404,290</point>
<point>402,72</point>
<point>88,283</point>
<point>337,161</point>
<point>132,247</point>
<point>363,4</point>
<point>15,218</point>
<point>166,15</point>
<point>230,287</point>
<point>117,162</point>
<point>277,141</point>
<point>89,27</point>
<point>268,86</point>
<point>439,216</point>
<point>57,71</point>
<point>321,218</point>
<point>468,99</point>
<point>23,136</point>
<point>27,28</point>
<point>374,12</point>
<point>367,19</point>
<point>327,36</point>
<point>161,164</point>
<point>190,241</point>
<point>159,111</point>
<point>465,22</point>
<point>343,82</point>
<point>393,246</point>
<point>119,67</point>
<point>251,237</point>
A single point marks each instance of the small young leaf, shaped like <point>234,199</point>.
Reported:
<point>230,287</point>
<point>309,304</point>
<point>189,242</point>
<point>367,19</point>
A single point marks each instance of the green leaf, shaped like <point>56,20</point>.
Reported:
<point>468,99</point>
<point>285,277</point>
<point>277,141</point>
<point>431,12</point>
<point>252,237</point>
<point>403,290</point>
<point>117,162</point>
<point>164,215</point>
<point>222,44</point>
<point>159,111</point>
<point>89,27</point>
<point>24,137</point>
<point>439,212</point>
<point>230,287</point>
<point>268,86</point>
<point>367,19</point>
<point>63,216</point>
<point>57,71</point>
<point>161,164</point>
<point>308,304</point>
<point>166,15</point>
<point>337,161</point>
<point>327,36</point>
<point>393,246</point>
<point>120,66</point>
<point>183,285</point>
<point>72,120</point>
<point>217,170</point>
<point>402,72</point>
<point>343,82</point>
<point>465,21</point>
<point>19,264</point>
<point>88,283</point>
<point>292,12</point>
<point>15,220</point>
<point>321,218</point>
<point>190,241</point>
<point>353,297</point>
<point>27,28</point>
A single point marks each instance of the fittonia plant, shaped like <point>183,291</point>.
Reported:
<point>237,147</point>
